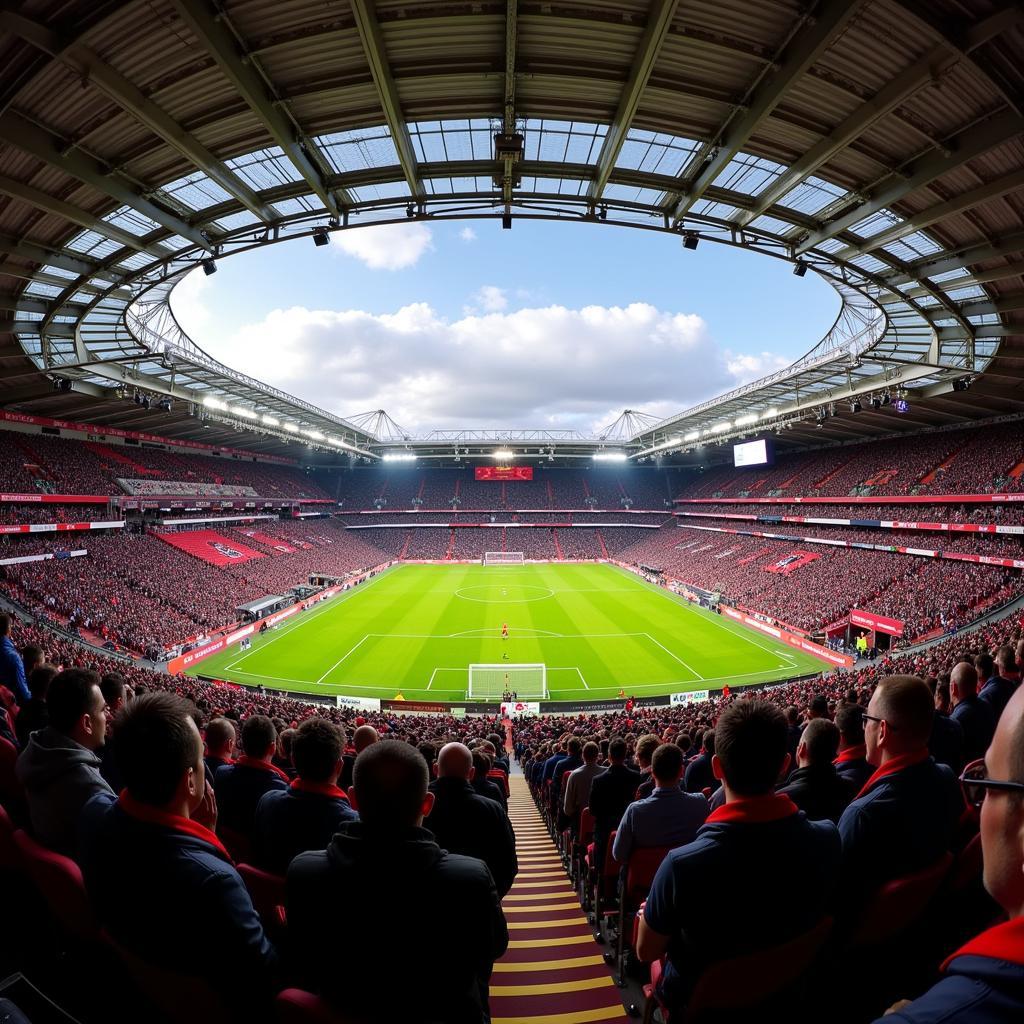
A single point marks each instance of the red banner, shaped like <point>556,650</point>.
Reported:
<point>61,527</point>
<point>879,623</point>
<point>504,472</point>
<point>791,562</point>
<point>58,499</point>
<point>874,499</point>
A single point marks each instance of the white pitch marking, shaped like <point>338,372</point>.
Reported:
<point>342,658</point>
<point>689,668</point>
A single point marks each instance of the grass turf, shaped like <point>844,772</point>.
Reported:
<point>415,629</point>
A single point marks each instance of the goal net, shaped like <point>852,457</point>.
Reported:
<point>528,682</point>
<point>503,558</point>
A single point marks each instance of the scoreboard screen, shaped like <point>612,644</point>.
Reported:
<point>504,472</point>
<point>753,453</point>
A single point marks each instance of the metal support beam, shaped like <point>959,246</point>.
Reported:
<point>56,152</point>
<point>211,31</point>
<point>972,142</point>
<point>827,20</point>
<point>1002,304</point>
<point>508,110</point>
<point>93,68</point>
<point>953,259</point>
<point>76,264</point>
<point>981,277</point>
<point>373,47</point>
<point>958,204</point>
<point>659,20</point>
<point>48,204</point>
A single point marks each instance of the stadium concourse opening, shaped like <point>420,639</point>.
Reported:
<point>630,675</point>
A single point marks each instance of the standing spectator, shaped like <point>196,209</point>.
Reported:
<point>816,787</point>
<point>993,689</point>
<point>706,904</point>
<point>162,884</point>
<point>60,769</point>
<point>387,868</point>
<point>220,745</point>
<point>699,773</point>
<point>903,818</point>
<point>851,762</point>
<point>464,822</point>
<point>668,817</point>
<point>983,981</point>
<point>12,668</point>
<point>577,790</point>
<point>972,714</point>
<point>240,786</point>
<point>946,743</point>
<point>611,793</point>
<point>307,814</point>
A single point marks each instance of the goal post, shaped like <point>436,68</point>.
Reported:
<point>528,682</point>
<point>502,558</point>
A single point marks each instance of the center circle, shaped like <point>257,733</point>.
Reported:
<point>509,593</point>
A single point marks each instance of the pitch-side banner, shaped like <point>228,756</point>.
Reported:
<point>799,642</point>
<point>874,499</point>
<point>60,527</point>
<point>693,697</point>
<point>56,499</point>
<point>879,623</point>
<point>518,708</point>
<point>504,472</point>
<point>879,524</point>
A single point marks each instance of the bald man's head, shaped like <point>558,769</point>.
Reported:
<point>454,762</point>
<point>364,737</point>
<point>963,681</point>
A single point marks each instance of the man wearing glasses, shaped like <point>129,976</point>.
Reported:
<point>983,982</point>
<point>903,817</point>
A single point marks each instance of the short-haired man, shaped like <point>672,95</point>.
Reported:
<point>481,784</point>
<point>699,773</point>
<point>946,743</point>
<point>993,689</point>
<point>577,789</point>
<point>12,667</point>
<point>611,793</point>
<point>220,745</point>
<point>60,767</point>
<point>645,748</point>
<point>973,715</point>
<point>162,884</point>
<point>816,787</point>
<point>307,814</point>
<point>364,736</point>
<point>983,981</point>
<point>33,715</point>
<point>241,785</point>
<point>435,913</point>
<point>668,817</point>
<point>112,686</point>
<point>851,761</point>
<point>706,904</point>
<point>903,818</point>
<point>464,822</point>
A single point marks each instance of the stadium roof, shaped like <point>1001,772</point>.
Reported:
<point>878,143</point>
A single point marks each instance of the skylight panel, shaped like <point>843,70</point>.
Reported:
<point>655,152</point>
<point>748,174</point>
<point>358,150</point>
<point>131,221</point>
<point>812,195</point>
<point>264,169</point>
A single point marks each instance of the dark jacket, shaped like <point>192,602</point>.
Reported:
<point>699,775</point>
<point>610,794</point>
<point>819,791</point>
<point>853,768</point>
<point>464,822</point>
<point>32,717</point>
<point>12,671</point>
<point>997,692</point>
<point>946,744</point>
<point>358,915</point>
<point>164,888</point>
<point>303,817</point>
<point>60,777</point>
<point>491,790</point>
<point>978,722</point>
<point>982,983</point>
<point>239,788</point>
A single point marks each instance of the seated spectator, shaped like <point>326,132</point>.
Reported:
<point>645,748</point>
<point>993,689</point>
<point>307,814</point>
<point>283,754</point>
<point>668,817</point>
<point>903,818</point>
<point>112,687</point>
<point>161,883</point>
<point>699,774</point>
<point>12,668</point>
<point>240,786</point>
<point>363,737</point>
<point>501,757</point>
<point>574,749</point>
<point>851,762</point>
<point>464,822</point>
<point>220,745</point>
<point>441,923</point>
<point>577,789</point>
<point>946,743</point>
<point>482,785</point>
<point>983,981</point>
<point>611,793</point>
<point>60,767</point>
<point>1006,664</point>
<point>816,787</point>
<point>793,731</point>
<point>33,715</point>
<point>973,715</point>
<point>706,903</point>
<point>429,752</point>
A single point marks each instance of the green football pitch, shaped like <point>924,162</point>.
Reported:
<point>416,629</point>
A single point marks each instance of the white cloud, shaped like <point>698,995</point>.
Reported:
<point>386,247</point>
<point>489,299</point>
<point>467,234</point>
<point>566,368</point>
<point>188,301</point>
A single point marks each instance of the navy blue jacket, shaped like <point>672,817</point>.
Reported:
<point>978,722</point>
<point>12,671</point>
<point>714,906</point>
<point>904,823</point>
<point>297,819</point>
<point>239,788</point>
<point>997,693</point>
<point>946,744</point>
<point>173,898</point>
<point>982,983</point>
<point>853,770</point>
<point>699,775</point>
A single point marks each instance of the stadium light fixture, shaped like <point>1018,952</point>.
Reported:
<point>690,239</point>
<point>742,421</point>
<point>799,268</point>
<point>769,414</point>
<point>610,456</point>
<point>291,428</point>
<point>246,414</point>
<point>320,237</point>
<point>209,267</point>
<point>214,403</point>
<point>504,453</point>
<point>693,435</point>
<point>316,435</point>
<point>855,405</point>
<point>721,428</point>
<point>271,421</point>
<point>399,457</point>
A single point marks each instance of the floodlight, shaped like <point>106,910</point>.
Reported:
<point>504,453</point>
<point>799,268</point>
<point>610,456</point>
<point>690,239</point>
<point>962,384</point>
<point>855,405</point>
<point>399,457</point>
<point>506,221</point>
<point>209,267</point>
<point>320,237</point>
<point>693,435</point>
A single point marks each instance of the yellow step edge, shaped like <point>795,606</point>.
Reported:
<point>615,1012</point>
<point>560,940</point>
<point>551,988</point>
<point>578,921</point>
<point>540,966</point>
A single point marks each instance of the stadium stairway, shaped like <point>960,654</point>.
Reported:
<point>553,973</point>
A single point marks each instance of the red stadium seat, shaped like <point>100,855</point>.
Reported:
<point>268,894</point>
<point>59,880</point>
<point>237,843</point>
<point>10,788</point>
<point>295,1006</point>
<point>641,868</point>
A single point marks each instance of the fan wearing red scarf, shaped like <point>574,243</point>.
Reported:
<point>160,881</point>
<point>983,981</point>
<point>706,904</point>
<point>241,785</point>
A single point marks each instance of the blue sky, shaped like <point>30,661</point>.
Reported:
<point>463,324</point>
